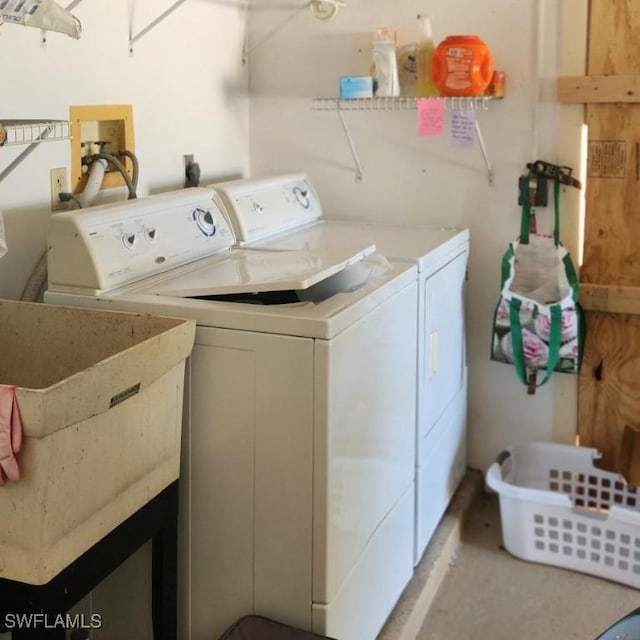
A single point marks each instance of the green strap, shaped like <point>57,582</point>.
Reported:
<point>516,339</point>
<point>518,342</point>
<point>555,340</point>
<point>572,277</point>
<point>505,271</point>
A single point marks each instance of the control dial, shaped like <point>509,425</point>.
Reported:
<point>129,240</point>
<point>204,221</point>
<point>302,196</point>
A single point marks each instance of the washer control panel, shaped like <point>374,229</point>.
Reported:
<point>109,246</point>
<point>262,208</point>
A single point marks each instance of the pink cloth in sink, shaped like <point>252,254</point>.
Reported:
<point>10,434</point>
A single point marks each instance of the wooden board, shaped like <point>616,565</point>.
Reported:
<point>610,298</point>
<point>609,389</point>
<point>586,89</point>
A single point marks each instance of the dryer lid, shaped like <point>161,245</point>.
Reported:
<point>248,271</point>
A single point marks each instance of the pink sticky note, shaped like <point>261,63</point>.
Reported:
<point>431,117</point>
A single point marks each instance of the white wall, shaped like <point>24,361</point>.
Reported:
<point>185,80</point>
<point>409,179</point>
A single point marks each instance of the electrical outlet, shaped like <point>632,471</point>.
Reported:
<point>58,179</point>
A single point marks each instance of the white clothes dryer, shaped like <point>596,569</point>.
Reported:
<point>441,258</point>
<point>299,444</point>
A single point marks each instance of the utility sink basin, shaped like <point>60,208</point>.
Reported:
<point>100,394</point>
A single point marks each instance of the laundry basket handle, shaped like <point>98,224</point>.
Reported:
<point>494,476</point>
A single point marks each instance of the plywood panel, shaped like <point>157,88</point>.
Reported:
<point>614,37</point>
<point>612,226</point>
<point>609,388</point>
<point>610,384</point>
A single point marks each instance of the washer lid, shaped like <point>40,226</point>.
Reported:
<point>248,271</point>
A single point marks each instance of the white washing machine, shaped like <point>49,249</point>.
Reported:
<point>441,257</point>
<point>299,448</point>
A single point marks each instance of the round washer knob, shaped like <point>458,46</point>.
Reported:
<point>205,221</point>
<point>150,234</point>
<point>302,196</point>
<point>129,240</point>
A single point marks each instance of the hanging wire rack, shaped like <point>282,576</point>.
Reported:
<point>13,132</point>
<point>30,133</point>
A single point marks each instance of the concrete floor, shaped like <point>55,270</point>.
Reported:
<point>468,587</point>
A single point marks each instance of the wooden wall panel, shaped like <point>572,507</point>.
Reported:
<point>610,384</point>
<point>609,387</point>
<point>612,224</point>
<point>614,37</point>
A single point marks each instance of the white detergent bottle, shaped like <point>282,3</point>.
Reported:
<point>384,64</point>
<point>425,88</point>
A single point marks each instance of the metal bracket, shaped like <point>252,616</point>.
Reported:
<point>556,172</point>
<point>320,9</point>
<point>153,23</point>
<point>352,148</point>
<point>485,155</point>
<point>402,104</point>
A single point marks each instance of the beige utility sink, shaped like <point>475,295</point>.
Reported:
<point>100,394</point>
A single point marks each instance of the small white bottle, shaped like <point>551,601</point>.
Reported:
<point>384,64</point>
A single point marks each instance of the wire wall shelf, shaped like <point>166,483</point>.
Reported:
<point>14,132</point>
<point>404,103</point>
<point>339,106</point>
<point>31,133</point>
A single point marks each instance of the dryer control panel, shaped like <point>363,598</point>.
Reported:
<point>105,247</point>
<point>263,208</point>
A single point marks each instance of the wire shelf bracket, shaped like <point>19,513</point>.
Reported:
<point>320,9</point>
<point>480,103</point>
<point>154,23</point>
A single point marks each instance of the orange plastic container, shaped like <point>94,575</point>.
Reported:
<point>462,66</point>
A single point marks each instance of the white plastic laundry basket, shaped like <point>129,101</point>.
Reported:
<point>557,508</point>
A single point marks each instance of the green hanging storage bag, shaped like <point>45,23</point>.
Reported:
<point>538,324</point>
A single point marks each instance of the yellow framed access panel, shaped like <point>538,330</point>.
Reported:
<point>95,124</point>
